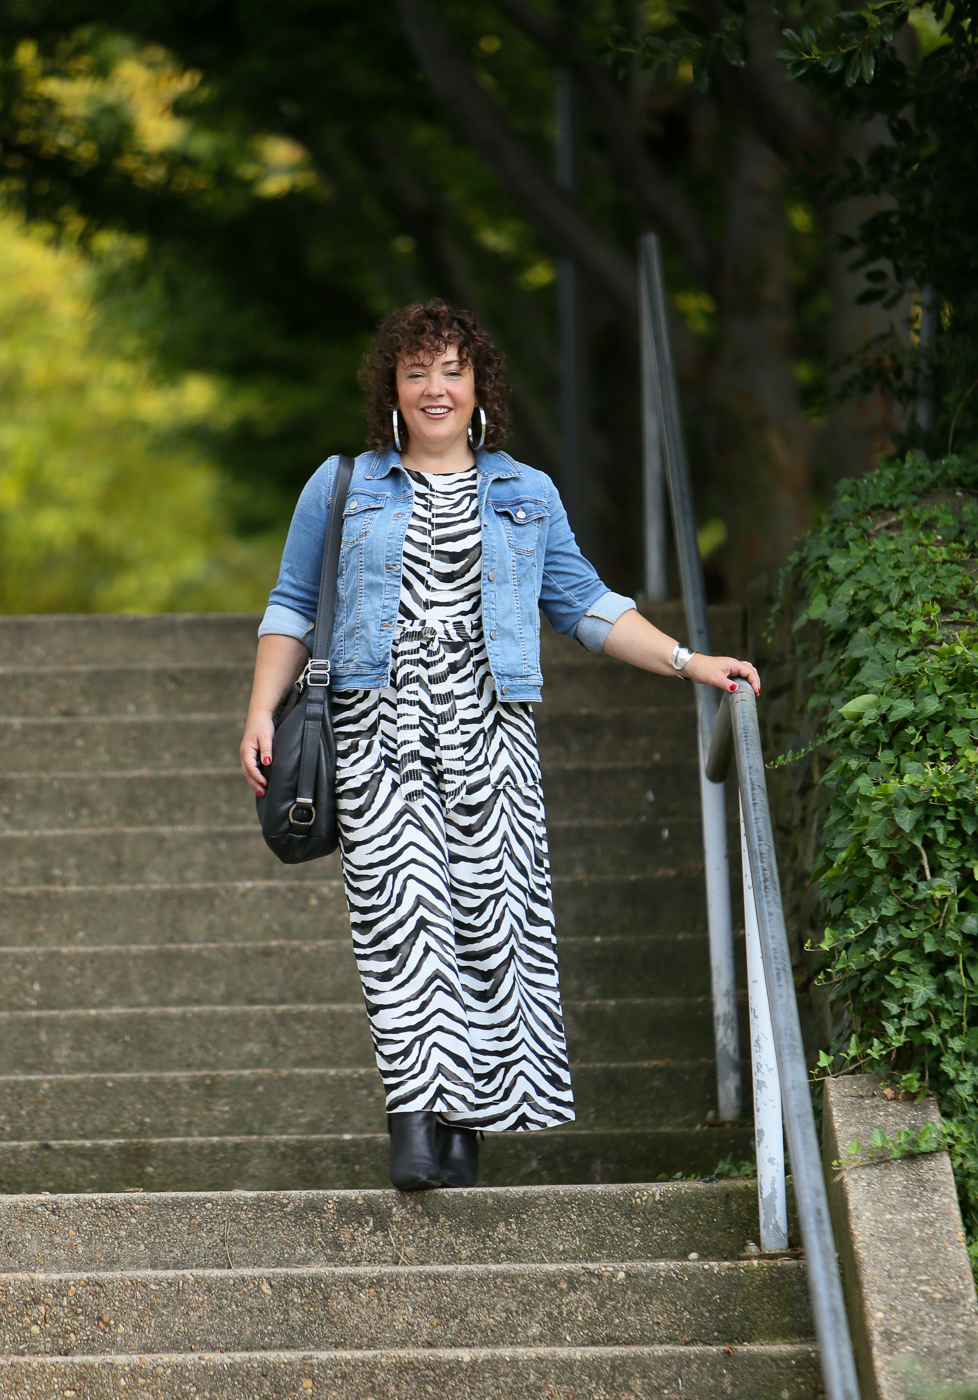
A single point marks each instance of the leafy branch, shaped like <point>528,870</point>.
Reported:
<point>688,41</point>
<point>848,41</point>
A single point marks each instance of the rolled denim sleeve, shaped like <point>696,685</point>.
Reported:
<point>572,594</point>
<point>599,619</point>
<point>292,603</point>
<point>281,621</point>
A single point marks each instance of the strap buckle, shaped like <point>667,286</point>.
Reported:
<point>316,673</point>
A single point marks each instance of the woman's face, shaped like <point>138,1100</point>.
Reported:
<point>437,399</point>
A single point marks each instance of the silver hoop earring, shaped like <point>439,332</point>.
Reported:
<point>484,422</point>
<point>396,418</point>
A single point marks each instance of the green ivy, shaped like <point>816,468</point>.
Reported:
<point>889,641</point>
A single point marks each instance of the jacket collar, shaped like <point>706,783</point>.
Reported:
<point>491,465</point>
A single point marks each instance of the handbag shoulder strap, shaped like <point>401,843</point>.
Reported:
<point>331,559</point>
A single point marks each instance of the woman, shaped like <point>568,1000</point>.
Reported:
<point>450,547</point>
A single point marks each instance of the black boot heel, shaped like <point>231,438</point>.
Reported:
<point>414,1151</point>
<point>458,1155</point>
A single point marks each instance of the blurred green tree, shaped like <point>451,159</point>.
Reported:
<point>104,502</point>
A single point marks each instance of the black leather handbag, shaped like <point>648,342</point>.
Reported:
<point>298,811</point>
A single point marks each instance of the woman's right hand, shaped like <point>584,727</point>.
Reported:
<point>256,749</point>
<point>278,663</point>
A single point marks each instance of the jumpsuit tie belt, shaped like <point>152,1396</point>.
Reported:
<point>420,664</point>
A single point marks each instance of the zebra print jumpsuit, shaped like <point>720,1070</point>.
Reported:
<point>444,850</point>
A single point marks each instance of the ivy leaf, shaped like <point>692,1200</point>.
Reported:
<point>859,706</point>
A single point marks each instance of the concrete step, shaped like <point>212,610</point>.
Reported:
<point>39,692</point>
<point>288,971</point>
<point>368,1307</point>
<point>54,916</point>
<point>312,1036</point>
<point>265,1102</point>
<point>126,639</point>
<point>254,910</point>
<point>668,1220</point>
<point>354,1160</point>
<point>140,743</point>
<point>746,1372</point>
<point>219,796</point>
<point>118,639</point>
<point>164,854</point>
<point>36,692</point>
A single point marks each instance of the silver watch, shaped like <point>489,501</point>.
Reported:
<point>681,656</point>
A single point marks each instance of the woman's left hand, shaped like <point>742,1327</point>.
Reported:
<point>721,671</point>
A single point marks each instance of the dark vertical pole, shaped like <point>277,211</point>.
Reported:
<point>571,332</point>
<point>927,340</point>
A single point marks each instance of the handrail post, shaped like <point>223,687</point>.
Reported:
<point>719,915</point>
<point>772,1203</point>
<point>661,404</point>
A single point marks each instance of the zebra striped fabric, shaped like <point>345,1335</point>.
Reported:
<point>444,849</point>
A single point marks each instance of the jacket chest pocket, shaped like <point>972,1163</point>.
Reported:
<point>360,514</point>
<point>521,521</point>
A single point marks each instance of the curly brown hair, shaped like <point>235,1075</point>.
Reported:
<point>423,331</point>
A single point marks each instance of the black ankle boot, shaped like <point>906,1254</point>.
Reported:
<point>458,1155</point>
<point>414,1152</point>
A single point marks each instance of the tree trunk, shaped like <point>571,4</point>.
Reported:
<point>759,457</point>
<point>858,431</point>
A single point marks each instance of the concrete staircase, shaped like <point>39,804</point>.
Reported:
<point>181,1014</point>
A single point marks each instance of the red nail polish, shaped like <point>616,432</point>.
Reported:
<point>266,760</point>
<point>733,689</point>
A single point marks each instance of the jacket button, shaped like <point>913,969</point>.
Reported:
<point>492,576</point>
<point>503,689</point>
<point>521,514</point>
<point>354,503</point>
<point>492,635</point>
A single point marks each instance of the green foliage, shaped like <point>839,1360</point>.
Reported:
<point>890,636</point>
<point>285,179</point>
<point>686,40</point>
<point>923,179</point>
<point>107,501</point>
<point>727,1167</point>
<point>911,70</point>
<point>882,1147</point>
<point>844,41</point>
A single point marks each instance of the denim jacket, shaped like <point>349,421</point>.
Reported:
<point>530,560</point>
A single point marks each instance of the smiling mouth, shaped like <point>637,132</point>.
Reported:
<point>436,411</point>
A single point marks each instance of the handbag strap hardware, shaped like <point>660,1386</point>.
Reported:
<point>306,807</point>
<point>316,672</point>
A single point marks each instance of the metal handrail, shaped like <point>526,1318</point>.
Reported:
<point>663,409</point>
<point>781,1089</point>
<point>737,735</point>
